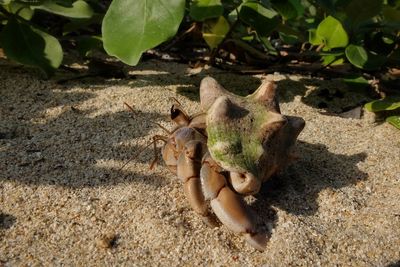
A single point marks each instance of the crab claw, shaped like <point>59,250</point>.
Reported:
<point>228,206</point>
<point>245,183</point>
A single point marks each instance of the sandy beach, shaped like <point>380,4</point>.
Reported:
<point>64,199</point>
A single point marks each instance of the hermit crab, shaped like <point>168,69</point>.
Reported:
<point>228,150</point>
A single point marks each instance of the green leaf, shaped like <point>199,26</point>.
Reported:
<point>4,2</point>
<point>391,14</point>
<point>331,60</point>
<point>267,45</point>
<point>356,82</point>
<point>206,9</point>
<point>360,10</point>
<point>130,27</point>
<point>285,8</point>
<point>79,9</point>
<point>394,120</point>
<point>214,31</point>
<point>30,46</point>
<point>388,103</point>
<point>291,33</point>
<point>298,5</point>
<point>290,39</point>
<point>288,9</point>
<point>30,2</point>
<point>87,44</point>
<point>394,3</point>
<point>262,19</point>
<point>75,25</point>
<point>359,57</point>
<point>327,5</point>
<point>331,31</point>
<point>313,38</point>
<point>23,10</point>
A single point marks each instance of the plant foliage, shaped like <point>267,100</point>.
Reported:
<point>362,33</point>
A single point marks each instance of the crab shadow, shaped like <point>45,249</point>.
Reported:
<point>75,148</point>
<point>296,189</point>
<point>40,158</point>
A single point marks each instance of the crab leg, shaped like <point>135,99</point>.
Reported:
<point>229,207</point>
<point>188,170</point>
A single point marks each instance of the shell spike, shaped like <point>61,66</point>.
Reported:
<point>266,91</point>
<point>210,90</point>
<point>266,94</point>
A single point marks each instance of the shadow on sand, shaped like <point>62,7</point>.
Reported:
<point>45,154</point>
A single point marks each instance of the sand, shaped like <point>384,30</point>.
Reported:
<point>65,200</point>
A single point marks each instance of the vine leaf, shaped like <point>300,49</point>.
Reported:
<point>331,31</point>
<point>360,10</point>
<point>78,10</point>
<point>388,103</point>
<point>214,31</point>
<point>130,27</point>
<point>361,58</point>
<point>262,19</point>
<point>394,120</point>
<point>206,9</point>
<point>30,46</point>
<point>357,55</point>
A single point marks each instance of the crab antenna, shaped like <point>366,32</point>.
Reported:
<point>162,127</point>
<point>175,100</point>
<point>129,107</point>
<point>155,139</point>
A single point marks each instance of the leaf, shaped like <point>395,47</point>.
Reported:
<point>388,103</point>
<point>356,82</point>
<point>331,60</point>
<point>394,120</point>
<point>206,9</point>
<point>359,57</point>
<point>288,9</point>
<point>290,39</point>
<point>31,2</point>
<point>5,2</point>
<point>313,38</point>
<point>75,25</point>
<point>298,5</point>
<point>214,31</point>
<point>290,32</point>
<point>285,8</point>
<point>331,31</point>
<point>87,44</point>
<point>360,10</point>
<point>130,27</point>
<point>262,19</point>
<point>327,5</point>
<point>23,10</point>
<point>391,14</point>
<point>79,9</point>
<point>267,45</point>
<point>30,46</point>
